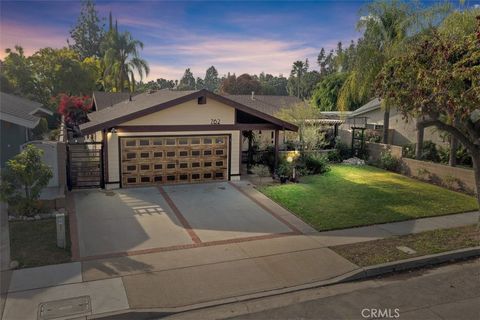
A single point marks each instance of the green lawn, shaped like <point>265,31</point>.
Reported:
<point>349,196</point>
<point>34,243</point>
<point>430,242</point>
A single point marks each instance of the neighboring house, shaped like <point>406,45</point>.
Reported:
<point>102,100</point>
<point>402,130</point>
<point>175,137</point>
<point>18,116</point>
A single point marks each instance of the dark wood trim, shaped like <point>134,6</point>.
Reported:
<point>206,127</point>
<point>277,148</point>
<point>235,175</point>
<point>105,156</point>
<point>186,98</point>
<point>112,182</point>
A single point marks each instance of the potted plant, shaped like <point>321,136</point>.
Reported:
<point>284,172</point>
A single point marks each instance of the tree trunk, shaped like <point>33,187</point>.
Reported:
<point>453,151</point>
<point>386,124</point>
<point>476,170</point>
<point>419,145</point>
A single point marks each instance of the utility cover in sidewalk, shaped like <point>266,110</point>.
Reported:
<point>64,308</point>
<point>407,250</point>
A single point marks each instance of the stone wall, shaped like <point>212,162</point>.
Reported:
<point>451,177</point>
<point>375,151</point>
<point>455,178</point>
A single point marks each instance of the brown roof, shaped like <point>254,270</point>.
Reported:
<point>266,104</point>
<point>103,100</point>
<point>146,103</point>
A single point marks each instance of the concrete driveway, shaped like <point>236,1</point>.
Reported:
<point>137,220</point>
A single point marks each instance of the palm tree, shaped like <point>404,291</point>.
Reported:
<point>122,60</point>
<point>299,69</point>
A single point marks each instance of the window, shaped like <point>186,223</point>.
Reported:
<point>170,165</point>
<point>131,168</point>
<point>202,100</point>
<point>170,142</point>
<point>195,164</point>
<point>131,143</point>
<point>158,154</point>
<point>219,163</point>
<point>170,178</point>
<point>207,164</point>
<point>219,152</point>
<point>157,142</point>
<point>183,177</point>
<point>195,141</point>
<point>157,179</point>
<point>207,140</point>
<point>170,153</point>
<point>131,155</point>
<point>219,175</point>
<point>207,176</point>
<point>144,167</point>
<point>131,180</point>
<point>158,167</point>
<point>182,141</point>
<point>183,165</point>
<point>144,142</point>
<point>220,140</point>
<point>207,152</point>
<point>183,153</point>
<point>195,176</point>
<point>195,153</point>
<point>145,179</point>
<point>144,154</point>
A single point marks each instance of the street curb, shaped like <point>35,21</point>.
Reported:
<point>413,263</point>
<point>354,275</point>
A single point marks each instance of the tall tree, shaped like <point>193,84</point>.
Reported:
<point>122,60</point>
<point>211,81</point>
<point>18,72</point>
<point>187,82</point>
<point>299,69</point>
<point>386,25</point>
<point>437,81</point>
<point>326,92</point>
<point>88,33</point>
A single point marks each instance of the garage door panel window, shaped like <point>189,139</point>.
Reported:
<point>167,160</point>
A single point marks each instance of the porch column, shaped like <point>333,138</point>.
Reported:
<point>277,147</point>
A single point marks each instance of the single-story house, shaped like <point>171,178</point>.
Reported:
<point>18,116</point>
<point>402,131</point>
<point>171,136</point>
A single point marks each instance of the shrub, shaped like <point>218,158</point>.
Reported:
<point>373,136</point>
<point>389,162</point>
<point>408,150</point>
<point>430,152</point>
<point>261,170</point>
<point>343,149</point>
<point>23,179</point>
<point>334,156</point>
<point>285,169</point>
<point>316,164</point>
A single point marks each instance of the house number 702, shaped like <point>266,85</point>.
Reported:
<point>214,121</point>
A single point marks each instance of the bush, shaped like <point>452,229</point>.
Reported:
<point>285,169</point>
<point>334,156</point>
<point>312,164</point>
<point>343,150</point>
<point>23,179</point>
<point>408,150</point>
<point>261,171</point>
<point>429,152</point>
<point>389,162</point>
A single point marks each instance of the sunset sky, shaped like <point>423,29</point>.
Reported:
<point>235,37</point>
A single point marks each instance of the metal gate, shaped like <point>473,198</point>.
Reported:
<point>85,164</point>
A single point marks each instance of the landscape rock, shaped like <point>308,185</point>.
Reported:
<point>14,264</point>
<point>354,161</point>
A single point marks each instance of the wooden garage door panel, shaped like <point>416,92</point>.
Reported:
<point>166,160</point>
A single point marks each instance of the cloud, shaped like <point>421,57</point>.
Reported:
<point>231,55</point>
<point>31,38</point>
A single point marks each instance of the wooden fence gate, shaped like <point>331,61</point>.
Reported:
<point>85,163</point>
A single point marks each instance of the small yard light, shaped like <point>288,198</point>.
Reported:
<point>289,159</point>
